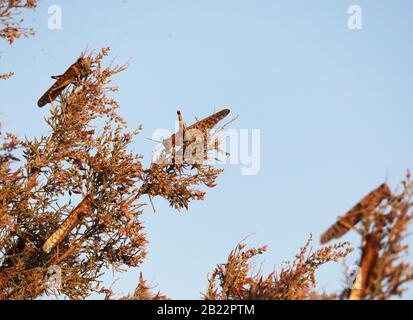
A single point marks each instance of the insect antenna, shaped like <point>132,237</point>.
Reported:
<point>153,206</point>
<point>153,140</point>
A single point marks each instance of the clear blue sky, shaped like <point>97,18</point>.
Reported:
<point>334,107</point>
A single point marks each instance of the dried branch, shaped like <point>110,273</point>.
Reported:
<point>295,281</point>
<point>85,156</point>
<point>11,26</point>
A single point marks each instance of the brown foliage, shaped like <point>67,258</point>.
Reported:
<point>85,160</point>
<point>143,292</point>
<point>234,280</point>
<point>384,225</point>
<point>85,155</point>
<point>383,273</point>
<point>11,27</point>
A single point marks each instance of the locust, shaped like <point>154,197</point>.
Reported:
<point>365,207</point>
<point>85,208</point>
<point>76,70</point>
<point>201,126</point>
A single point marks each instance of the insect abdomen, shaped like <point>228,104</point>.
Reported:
<point>74,218</point>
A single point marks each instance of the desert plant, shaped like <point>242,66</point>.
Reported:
<point>85,157</point>
<point>11,27</point>
<point>236,279</point>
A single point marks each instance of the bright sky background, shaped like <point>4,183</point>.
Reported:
<point>334,107</point>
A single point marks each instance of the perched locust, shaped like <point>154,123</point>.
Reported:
<point>85,208</point>
<point>79,68</point>
<point>201,126</point>
<point>365,207</point>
